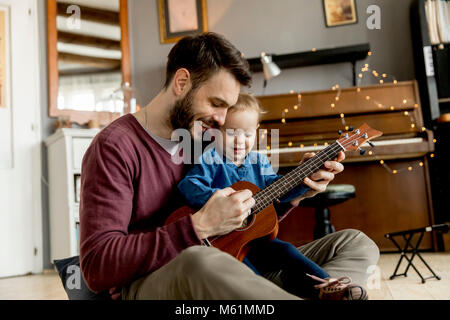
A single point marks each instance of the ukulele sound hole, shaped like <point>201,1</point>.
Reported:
<point>247,222</point>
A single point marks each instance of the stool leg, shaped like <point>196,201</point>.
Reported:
<point>323,225</point>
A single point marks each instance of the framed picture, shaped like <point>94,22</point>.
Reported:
<point>339,12</point>
<point>179,18</point>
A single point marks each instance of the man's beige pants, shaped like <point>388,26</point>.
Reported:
<point>201,272</point>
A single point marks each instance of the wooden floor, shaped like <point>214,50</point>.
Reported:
<point>47,286</point>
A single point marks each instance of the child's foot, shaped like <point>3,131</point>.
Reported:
<point>339,289</point>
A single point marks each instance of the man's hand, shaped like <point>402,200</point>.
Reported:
<point>319,180</point>
<point>224,212</point>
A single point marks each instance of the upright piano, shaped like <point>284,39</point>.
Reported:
<point>391,178</point>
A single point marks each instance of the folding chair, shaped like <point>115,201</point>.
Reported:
<point>408,236</point>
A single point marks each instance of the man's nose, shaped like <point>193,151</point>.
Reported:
<point>220,116</point>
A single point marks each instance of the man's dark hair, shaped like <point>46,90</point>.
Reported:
<point>205,54</point>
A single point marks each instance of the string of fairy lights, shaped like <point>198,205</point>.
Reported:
<point>381,78</point>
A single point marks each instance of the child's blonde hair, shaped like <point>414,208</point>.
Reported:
<point>247,101</point>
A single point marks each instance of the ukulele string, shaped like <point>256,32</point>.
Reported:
<point>288,179</point>
<point>295,175</point>
<point>284,184</point>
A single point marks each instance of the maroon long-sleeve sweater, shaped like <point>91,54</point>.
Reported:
<point>128,183</point>
<point>128,189</point>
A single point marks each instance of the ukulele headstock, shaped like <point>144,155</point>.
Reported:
<point>354,139</point>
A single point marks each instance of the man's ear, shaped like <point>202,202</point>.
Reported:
<point>181,82</point>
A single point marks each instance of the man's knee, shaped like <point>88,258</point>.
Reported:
<point>366,245</point>
<point>199,260</point>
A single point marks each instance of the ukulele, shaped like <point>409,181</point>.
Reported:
<point>263,219</point>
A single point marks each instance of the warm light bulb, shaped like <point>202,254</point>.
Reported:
<point>413,125</point>
<point>295,107</point>
<point>404,101</point>
<point>290,144</point>
<point>325,144</point>
<point>283,120</point>
<point>286,110</point>
<point>358,89</point>
<point>382,162</point>
<point>370,153</point>
<point>410,168</point>
<point>268,147</point>
<point>394,172</point>
<point>405,113</point>
<point>302,145</point>
<point>432,155</point>
<point>367,98</point>
<point>421,164</point>
<point>333,105</point>
<point>342,115</point>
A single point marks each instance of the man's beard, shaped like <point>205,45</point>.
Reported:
<point>181,115</point>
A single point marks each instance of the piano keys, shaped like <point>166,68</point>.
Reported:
<point>384,202</point>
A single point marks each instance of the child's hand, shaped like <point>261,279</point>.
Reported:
<point>319,180</point>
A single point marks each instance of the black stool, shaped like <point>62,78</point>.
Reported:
<point>408,235</point>
<point>334,194</point>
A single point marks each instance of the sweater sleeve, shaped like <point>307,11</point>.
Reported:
<point>196,185</point>
<point>111,256</point>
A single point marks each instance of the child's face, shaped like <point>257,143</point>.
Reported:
<point>239,132</point>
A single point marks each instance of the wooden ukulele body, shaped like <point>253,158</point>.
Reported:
<point>238,242</point>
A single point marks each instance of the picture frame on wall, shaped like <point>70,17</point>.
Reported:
<point>340,12</point>
<point>179,18</point>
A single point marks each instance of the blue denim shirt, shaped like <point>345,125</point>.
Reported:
<point>214,172</point>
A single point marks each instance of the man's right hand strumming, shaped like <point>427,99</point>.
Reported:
<point>224,212</point>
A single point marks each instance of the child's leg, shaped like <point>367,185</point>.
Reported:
<point>279,255</point>
<point>247,262</point>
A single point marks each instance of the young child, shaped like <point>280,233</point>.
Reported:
<point>234,161</point>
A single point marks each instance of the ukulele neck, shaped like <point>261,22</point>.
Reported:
<point>292,179</point>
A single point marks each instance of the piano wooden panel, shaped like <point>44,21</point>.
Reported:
<point>385,202</point>
<point>318,103</point>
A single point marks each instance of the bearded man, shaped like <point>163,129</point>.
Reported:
<point>129,189</point>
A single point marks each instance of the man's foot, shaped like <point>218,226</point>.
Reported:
<point>339,289</point>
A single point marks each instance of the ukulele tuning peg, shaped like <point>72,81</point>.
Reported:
<point>362,152</point>
<point>350,128</point>
<point>340,132</point>
<point>371,144</point>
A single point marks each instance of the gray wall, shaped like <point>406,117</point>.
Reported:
<point>274,26</point>
<point>282,26</point>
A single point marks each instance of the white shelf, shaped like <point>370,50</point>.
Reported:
<point>65,148</point>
